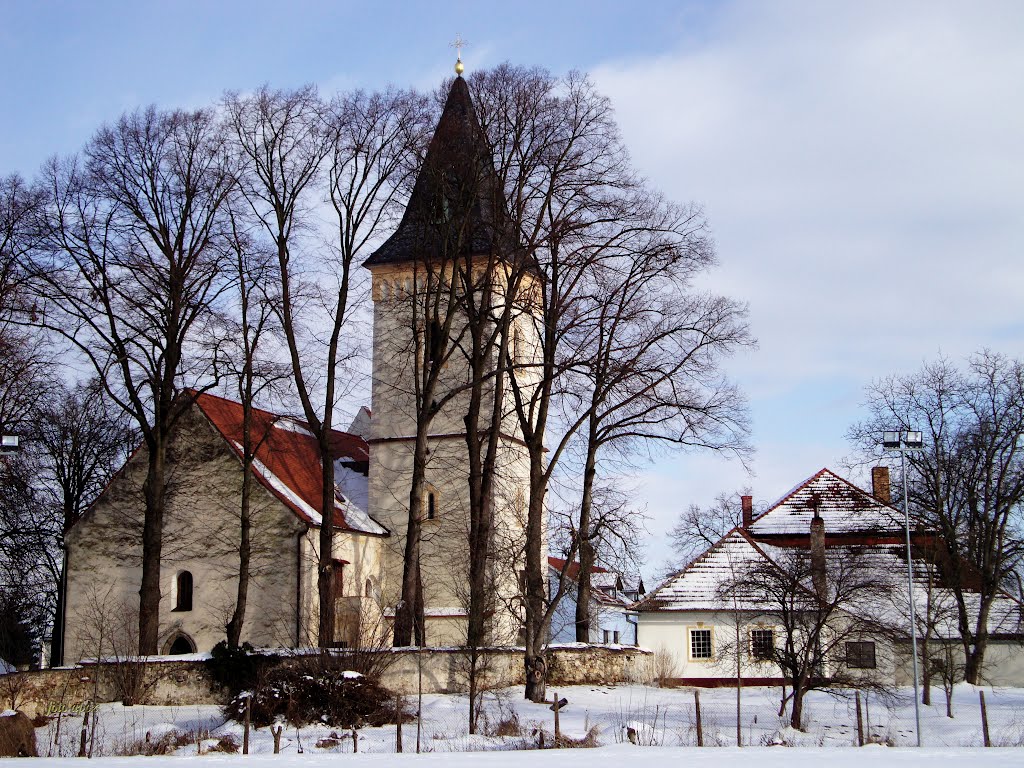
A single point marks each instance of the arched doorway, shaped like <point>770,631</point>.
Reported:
<point>180,645</point>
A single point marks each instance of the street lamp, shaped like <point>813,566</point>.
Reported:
<point>905,442</point>
<point>9,444</point>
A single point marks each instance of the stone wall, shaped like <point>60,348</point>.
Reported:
<point>184,683</point>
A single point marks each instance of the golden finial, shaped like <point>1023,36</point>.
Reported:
<point>457,44</point>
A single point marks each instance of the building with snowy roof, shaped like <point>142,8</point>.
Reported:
<point>693,618</point>
<point>374,465</point>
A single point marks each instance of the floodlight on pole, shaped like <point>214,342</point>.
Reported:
<point>9,444</point>
<point>905,442</point>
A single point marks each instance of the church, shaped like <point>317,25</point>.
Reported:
<point>373,471</point>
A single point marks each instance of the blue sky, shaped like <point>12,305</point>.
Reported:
<point>861,163</point>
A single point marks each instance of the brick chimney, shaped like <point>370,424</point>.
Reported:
<point>880,488</point>
<point>818,555</point>
<point>748,510</point>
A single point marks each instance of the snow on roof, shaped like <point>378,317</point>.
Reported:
<point>287,462</point>
<point>844,507</point>
<point>697,587</point>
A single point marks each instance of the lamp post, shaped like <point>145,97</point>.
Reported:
<point>9,444</point>
<point>905,442</point>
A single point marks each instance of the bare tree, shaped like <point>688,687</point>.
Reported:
<point>818,606</point>
<point>84,438</point>
<point>578,214</point>
<point>251,373</point>
<point>698,528</point>
<point>967,486</point>
<point>649,369</point>
<point>358,146</point>
<point>128,271</point>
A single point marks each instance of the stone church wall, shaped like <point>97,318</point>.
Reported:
<point>183,683</point>
<point>200,536</point>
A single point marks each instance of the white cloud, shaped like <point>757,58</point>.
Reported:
<point>861,167</point>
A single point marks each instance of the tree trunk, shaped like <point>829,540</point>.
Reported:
<point>587,555</point>
<point>325,576</point>
<point>234,628</point>
<point>409,611</point>
<point>536,665</point>
<point>57,637</point>
<point>975,662</point>
<point>153,490</point>
<point>797,708</point>
<point>926,672</point>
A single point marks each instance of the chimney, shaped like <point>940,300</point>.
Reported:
<point>818,555</point>
<point>748,510</point>
<point>880,484</point>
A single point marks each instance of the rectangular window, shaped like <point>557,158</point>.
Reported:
<point>762,644</point>
<point>700,643</point>
<point>606,637</point>
<point>339,578</point>
<point>860,655</point>
<point>615,636</point>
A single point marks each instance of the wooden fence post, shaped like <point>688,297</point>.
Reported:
<point>984,720</point>
<point>355,740</point>
<point>558,730</point>
<point>700,727</point>
<point>83,737</point>
<point>245,733</point>
<point>860,723</point>
<point>398,731</point>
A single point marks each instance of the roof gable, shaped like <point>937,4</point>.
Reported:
<point>844,507</point>
<point>287,461</point>
<point>697,587</point>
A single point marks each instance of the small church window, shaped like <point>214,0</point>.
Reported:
<point>368,589</point>
<point>339,578</point>
<point>183,592</point>
<point>431,506</point>
<point>436,342</point>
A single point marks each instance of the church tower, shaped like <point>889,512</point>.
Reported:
<point>453,225</point>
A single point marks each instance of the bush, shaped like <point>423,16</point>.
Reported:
<point>239,669</point>
<point>316,692</point>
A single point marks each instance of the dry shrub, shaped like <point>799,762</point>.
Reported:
<point>666,671</point>
<point>316,692</point>
<point>226,744</point>
<point>508,726</point>
<point>587,742</point>
<point>328,743</point>
<point>162,745</point>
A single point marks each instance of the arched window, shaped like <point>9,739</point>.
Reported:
<point>368,589</point>
<point>183,592</point>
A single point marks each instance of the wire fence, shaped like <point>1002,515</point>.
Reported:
<point>589,716</point>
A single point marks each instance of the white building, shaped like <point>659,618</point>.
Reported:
<point>692,621</point>
<point>612,620</point>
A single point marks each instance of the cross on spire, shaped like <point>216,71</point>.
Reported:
<point>458,43</point>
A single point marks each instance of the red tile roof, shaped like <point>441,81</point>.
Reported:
<point>574,568</point>
<point>288,460</point>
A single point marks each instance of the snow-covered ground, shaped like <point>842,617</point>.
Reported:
<point>658,718</point>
